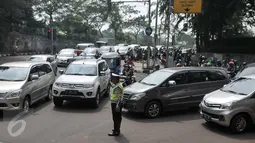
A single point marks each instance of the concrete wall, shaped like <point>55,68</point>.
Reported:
<point>32,43</point>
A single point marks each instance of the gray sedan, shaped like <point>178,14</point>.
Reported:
<point>45,58</point>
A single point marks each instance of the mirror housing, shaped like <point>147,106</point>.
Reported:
<point>171,82</point>
<point>61,71</point>
<point>34,77</point>
<point>102,73</point>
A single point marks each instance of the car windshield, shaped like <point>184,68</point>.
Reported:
<point>66,54</point>
<point>90,50</point>
<point>156,78</point>
<point>13,73</point>
<point>81,69</point>
<point>241,86</point>
<point>246,71</point>
<point>123,48</point>
<point>37,59</point>
<point>110,62</point>
<point>104,49</point>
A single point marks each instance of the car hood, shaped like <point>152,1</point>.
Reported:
<point>9,86</point>
<point>137,88</point>
<point>76,79</point>
<point>221,97</point>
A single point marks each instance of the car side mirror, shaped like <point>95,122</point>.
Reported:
<point>171,82</point>
<point>61,71</point>
<point>34,77</point>
<point>102,73</point>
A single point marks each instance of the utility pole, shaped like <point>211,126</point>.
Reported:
<point>148,37</point>
<point>168,31</point>
<point>156,34</point>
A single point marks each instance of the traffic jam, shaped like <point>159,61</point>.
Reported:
<point>83,73</point>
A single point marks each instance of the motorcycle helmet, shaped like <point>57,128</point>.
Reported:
<point>178,65</point>
<point>231,63</point>
<point>244,63</point>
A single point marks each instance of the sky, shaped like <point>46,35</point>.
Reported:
<point>138,6</point>
<point>144,11</point>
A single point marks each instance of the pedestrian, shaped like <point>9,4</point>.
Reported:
<point>116,96</point>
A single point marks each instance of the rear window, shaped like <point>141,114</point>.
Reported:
<point>246,71</point>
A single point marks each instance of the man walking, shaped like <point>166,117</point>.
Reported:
<point>116,96</point>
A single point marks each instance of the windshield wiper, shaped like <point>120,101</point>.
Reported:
<point>147,83</point>
<point>234,92</point>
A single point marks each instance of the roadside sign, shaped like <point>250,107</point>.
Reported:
<point>187,6</point>
<point>148,31</point>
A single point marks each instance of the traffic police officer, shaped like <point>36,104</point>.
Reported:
<point>116,96</point>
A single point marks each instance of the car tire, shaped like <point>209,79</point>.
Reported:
<point>26,105</point>
<point>107,92</point>
<point>58,102</point>
<point>49,94</point>
<point>239,123</point>
<point>96,100</point>
<point>153,109</point>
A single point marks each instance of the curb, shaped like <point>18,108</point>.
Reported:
<point>21,54</point>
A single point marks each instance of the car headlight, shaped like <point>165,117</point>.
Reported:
<point>58,84</point>
<point>14,94</point>
<point>88,85</point>
<point>227,105</point>
<point>138,96</point>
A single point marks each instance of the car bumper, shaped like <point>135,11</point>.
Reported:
<point>11,104</point>
<point>216,115</point>
<point>134,106</point>
<point>84,93</point>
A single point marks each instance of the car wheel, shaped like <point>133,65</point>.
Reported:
<point>96,101</point>
<point>239,123</point>
<point>26,104</point>
<point>58,102</point>
<point>49,96</point>
<point>107,92</point>
<point>153,109</point>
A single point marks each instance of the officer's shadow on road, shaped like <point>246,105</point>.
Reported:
<point>223,131</point>
<point>121,139</point>
<point>81,107</point>
<point>173,116</point>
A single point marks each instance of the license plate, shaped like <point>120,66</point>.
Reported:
<point>208,118</point>
<point>71,92</point>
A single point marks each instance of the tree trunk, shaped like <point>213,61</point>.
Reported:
<point>101,34</point>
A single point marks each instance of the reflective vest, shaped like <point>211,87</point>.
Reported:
<point>113,96</point>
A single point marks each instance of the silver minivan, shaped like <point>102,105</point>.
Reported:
<point>24,83</point>
<point>231,106</point>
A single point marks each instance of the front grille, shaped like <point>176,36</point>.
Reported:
<point>211,115</point>
<point>126,96</point>
<point>212,105</point>
<point>72,92</point>
<point>2,95</point>
<point>66,85</point>
<point>3,105</point>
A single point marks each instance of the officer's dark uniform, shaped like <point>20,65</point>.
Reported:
<point>116,96</point>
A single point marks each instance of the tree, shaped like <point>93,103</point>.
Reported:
<point>50,9</point>
<point>117,19</point>
<point>137,25</point>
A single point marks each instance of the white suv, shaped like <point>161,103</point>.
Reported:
<point>86,79</point>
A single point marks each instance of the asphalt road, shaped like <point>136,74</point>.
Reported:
<point>78,123</point>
